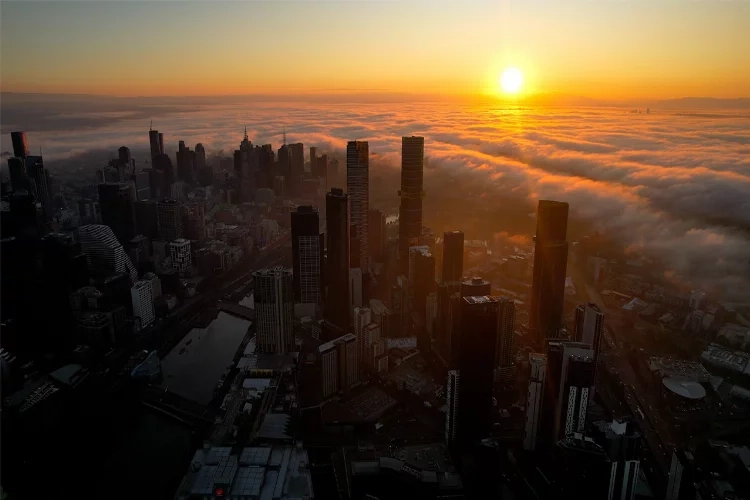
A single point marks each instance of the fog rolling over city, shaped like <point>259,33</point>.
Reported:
<point>672,185</point>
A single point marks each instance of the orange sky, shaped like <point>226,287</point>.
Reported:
<point>604,49</point>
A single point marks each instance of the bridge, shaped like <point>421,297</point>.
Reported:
<point>237,310</point>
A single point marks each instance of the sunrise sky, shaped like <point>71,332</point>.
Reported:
<point>600,49</point>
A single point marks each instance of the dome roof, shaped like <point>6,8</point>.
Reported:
<point>685,388</point>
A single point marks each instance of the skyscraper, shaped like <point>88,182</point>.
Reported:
<point>105,255</point>
<point>118,209</point>
<point>313,160</point>
<point>200,157</point>
<point>296,166</point>
<point>20,146</point>
<point>182,259</point>
<point>476,362</point>
<point>569,374</point>
<point>621,443</point>
<point>534,399</point>
<point>376,235</point>
<point>155,143</point>
<point>453,256</point>
<point>411,193</point>
<point>550,262</point>
<point>40,180</point>
<point>451,398</point>
<point>185,164</point>
<point>337,260</point>
<point>143,302</point>
<point>505,362</point>
<point>358,189</point>
<point>169,220</point>
<point>307,255</point>
<point>274,310</point>
<point>589,324</point>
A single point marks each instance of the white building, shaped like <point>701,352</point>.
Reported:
<point>274,310</point>
<point>534,399</point>
<point>179,250</point>
<point>358,189</point>
<point>143,302</point>
<point>104,254</point>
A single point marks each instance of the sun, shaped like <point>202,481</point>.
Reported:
<point>511,80</point>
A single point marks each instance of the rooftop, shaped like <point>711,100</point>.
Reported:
<point>258,473</point>
<point>678,368</point>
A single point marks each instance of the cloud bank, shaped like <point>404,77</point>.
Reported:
<point>673,186</point>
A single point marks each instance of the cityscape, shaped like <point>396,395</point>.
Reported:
<point>369,295</point>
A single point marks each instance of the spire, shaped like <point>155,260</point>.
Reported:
<point>284,133</point>
<point>245,137</point>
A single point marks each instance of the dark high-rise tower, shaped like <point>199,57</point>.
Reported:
<point>185,163</point>
<point>410,210</point>
<point>550,261</point>
<point>307,255</point>
<point>118,210</point>
<point>476,361</point>
<point>296,165</point>
<point>336,299</point>
<point>453,256</point>
<point>377,235</point>
<point>154,142</point>
<point>20,147</point>
<point>505,363</point>
<point>358,189</point>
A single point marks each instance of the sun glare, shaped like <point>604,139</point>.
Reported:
<point>511,80</point>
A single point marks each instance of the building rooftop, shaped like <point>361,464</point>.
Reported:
<point>684,388</point>
<point>718,356</point>
<point>349,337</point>
<point>678,368</point>
<point>255,473</point>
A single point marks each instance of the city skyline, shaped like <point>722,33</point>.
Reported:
<point>565,47</point>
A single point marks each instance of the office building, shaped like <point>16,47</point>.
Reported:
<point>296,166</point>
<point>622,445</point>
<point>358,189</point>
<point>307,255</point>
<point>475,287</point>
<point>505,361</point>
<point>313,160</point>
<point>453,256</point>
<point>550,262</point>
<point>361,317</point>
<point>147,218</point>
<point>166,175</point>
<point>274,310</point>
<point>431,315</point>
<point>118,209</point>
<point>18,179</point>
<point>40,179</point>
<point>680,484</point>
<point>20,146</point>
<point>194,221</point>
<point>142,183</point>
<point>105,255</point>
<point>534,400</point>
<point>356,288</point>
<point>589,326</point>
<point>424,281</point>
<point>451,398</point>
<point>155,142</point>
<point>337,259</point>
<point>200,157</point>
<point>411,193</point>
<point>339,368</point>
<point>155,283</point>
<point>169,218</point>
<point>185,164</point>
<point>569,374</point>
<point>377,238</point>
<point>179,251</point>
<point>476,363</point>
<point>143,302</point>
